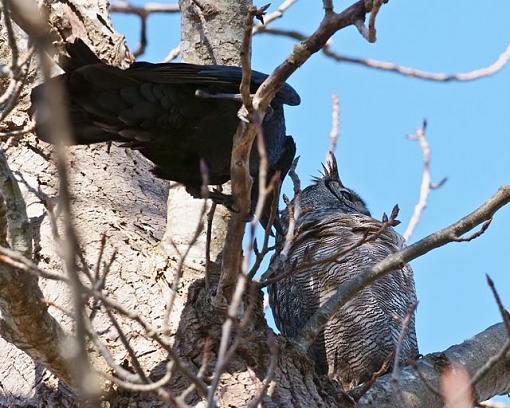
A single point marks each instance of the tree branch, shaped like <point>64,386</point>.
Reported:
<point>426,183</point>
<point>245,134</point>
<point>479,73</point>
<point>472,355</point>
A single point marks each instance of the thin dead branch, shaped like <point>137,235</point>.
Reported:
<point>278,13</point>
<point>143,12</point>
<point>335,124</point>
<point>502,355</point>
<point>426,183</point>
<point>479,73</point>
<point>398,348</point>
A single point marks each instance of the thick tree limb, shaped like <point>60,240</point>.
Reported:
<point>472,354</point>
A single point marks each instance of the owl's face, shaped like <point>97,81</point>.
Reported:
<point>328,193</point>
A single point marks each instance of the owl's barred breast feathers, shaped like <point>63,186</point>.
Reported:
<point>362,335</point>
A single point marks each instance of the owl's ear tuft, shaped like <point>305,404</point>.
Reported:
<point>331,168</point>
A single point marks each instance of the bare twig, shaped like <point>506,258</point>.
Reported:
<point>173,54</point>
<point>479,73</point>
<point>335,124</point>
<point>396,260</point>
<point>426,183</point>
<point>149,8</point>
<point>134,359</point>
<point>153,386</point>
<point>198,10</point>
<point>473,75</point>
<point>10,35</point>
<point>403,330</point>
<point>502,310</point>
<point>330,24</point>
<point>143,12</point>
<point>18,261</point>
<point>278,13</point>
<point>152,333</point>
<point>18,132</point>
<point>424,380</point>
<point>210,218</point>
<point>17,70</point>
<point>476,234</point>
<point>484,370</point>
<point>226,330</point>
<point>294,211</point>
<point>376,6</point>
<point>260,254</point>
<point>202,370</point>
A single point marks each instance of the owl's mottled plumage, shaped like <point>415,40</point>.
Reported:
<point>360,336</point>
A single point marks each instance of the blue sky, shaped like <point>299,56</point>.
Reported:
<point>469,133</point>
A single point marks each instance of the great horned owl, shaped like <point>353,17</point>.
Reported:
<point>362,334</point>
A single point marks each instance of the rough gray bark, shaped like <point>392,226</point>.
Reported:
<point>132,231</point>
<point>472,354</point>
<point>115,195</point>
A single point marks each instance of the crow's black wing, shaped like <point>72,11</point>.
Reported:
<point>219,78</point>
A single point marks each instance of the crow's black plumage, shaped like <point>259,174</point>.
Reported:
<point>155,108</point>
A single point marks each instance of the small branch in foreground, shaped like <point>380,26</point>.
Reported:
<point>426,183</point>
<point>330,24</point>
<point>502,310</point>
<point>403,330</point>
<point>173,54</point>
<point>240,173</point>
<point>293,211</point>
